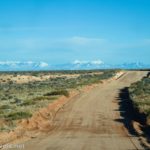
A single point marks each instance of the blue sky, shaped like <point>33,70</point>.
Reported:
<point>61,31</point>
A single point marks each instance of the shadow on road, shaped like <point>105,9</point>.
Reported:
<point>129,114</point>
<point>126,110</point>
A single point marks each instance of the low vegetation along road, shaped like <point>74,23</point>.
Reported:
<point>92,121</point>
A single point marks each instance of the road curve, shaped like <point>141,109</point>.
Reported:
<point>91,121</point>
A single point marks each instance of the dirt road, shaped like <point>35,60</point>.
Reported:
<point>92,121</point>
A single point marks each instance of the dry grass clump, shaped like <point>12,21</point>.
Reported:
<point>140,95</point>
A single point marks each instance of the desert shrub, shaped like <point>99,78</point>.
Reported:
<point>10,82</point>
<point>10,96</point>
<point>27,102</point>
<point>58,92</point>
<point>31,94</point>
<point>36,74</point>
<point>3,98</point>
<point>14,74</point>
<point>42,98</point>
<point>1,112</point>
<point>3,80</point>
<point>18,115</point>
<point>16,101</point>
<point>139,93</point>
<point>5,107</point>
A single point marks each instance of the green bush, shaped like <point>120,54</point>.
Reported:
<point>5,107</point>
<point>27,102</point>
<point>18,115</point>
<point>139,93</point>
<point>59,92</point>
<point>41,98</point>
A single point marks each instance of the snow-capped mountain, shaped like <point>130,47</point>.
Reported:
<point>17,65</point>
<point>76,65</point>
<point>136,65</point>
<point>98,64</point>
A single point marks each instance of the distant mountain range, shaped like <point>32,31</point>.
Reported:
<point>76,65</point>
<point>88,65</point>
<point>21,66</point>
